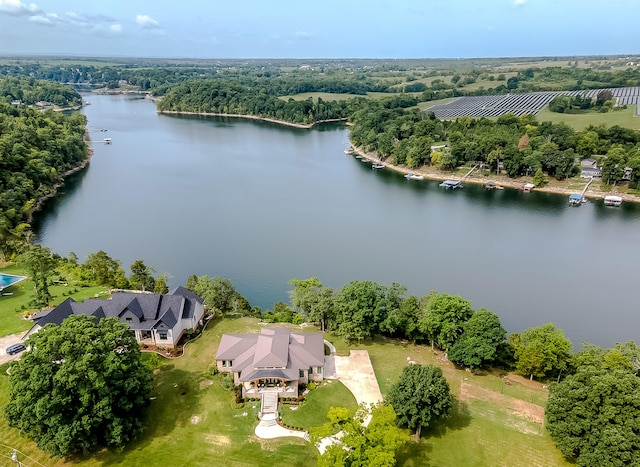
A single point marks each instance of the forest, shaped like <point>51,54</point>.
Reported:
<point>36,149</point>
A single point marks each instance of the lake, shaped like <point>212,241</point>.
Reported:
<point>261,203</point>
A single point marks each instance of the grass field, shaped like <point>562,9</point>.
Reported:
<point>626,118</point>
<point>13,306</point>
<point>496,422</point>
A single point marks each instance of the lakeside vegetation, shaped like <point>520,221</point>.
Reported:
<point>489,425</point>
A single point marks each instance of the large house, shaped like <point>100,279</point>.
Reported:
<point>155,319</point>
<point>275,360</point>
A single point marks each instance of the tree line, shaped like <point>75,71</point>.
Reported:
<point>29,91</point>
<point>516,145</point>
<point>36,149</point>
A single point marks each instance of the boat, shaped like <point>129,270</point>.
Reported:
<point>103,129</point>
<point>528,187</point>
<point>612,200</point>
<point>575,200</point>
<point>453,184</point>
<point>412,176</point>
<point>107,140</point>
<point>348,151</point>
<point>86,103</point>
<point>377,165</point>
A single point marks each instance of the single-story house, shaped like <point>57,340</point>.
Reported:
<point>155,319</point>
<point>275,360</point>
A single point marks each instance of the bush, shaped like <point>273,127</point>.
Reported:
<point>311,386</point>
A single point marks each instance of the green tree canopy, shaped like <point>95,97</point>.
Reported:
<point>541,352</point>
<point>420,396</point>
<point>142,276</point>
<point>361,444</point>
<point>81,385</point>
<point>594,417</point>
<point>40,264</point>
<point>443,317</point>
<point>480,339</point>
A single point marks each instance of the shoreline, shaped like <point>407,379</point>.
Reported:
<point>55,188</point>
<point>502,180</point>
<point>305,126</point>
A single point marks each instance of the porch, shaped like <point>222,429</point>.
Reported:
<point>257,387</point>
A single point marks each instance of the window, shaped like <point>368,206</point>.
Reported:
<point>319,370</point>
<point>311,370</point>
<point>163,335</point>
<point>224,363</point>
<point>301,373</point>
<point>129,319</point>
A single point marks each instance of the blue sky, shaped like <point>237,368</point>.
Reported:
<point>326,29</point>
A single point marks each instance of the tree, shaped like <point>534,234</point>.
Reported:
<point>360,309</point>
<point>442,319</point>
<point>420,396</point>
<point>40,264</point>
<point>480,339</point>
<point>218,293</point>
<point>81,385</point>
<point>362,443</point>
<point>594,417</point>
<point>160,285</point>
<point>142,276</point>
<point>541,351</point>
<point>101,269</point>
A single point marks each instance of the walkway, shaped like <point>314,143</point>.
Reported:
<point>356,373</point>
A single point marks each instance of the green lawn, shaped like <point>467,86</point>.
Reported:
<point>194,419</point>
<point>13,306</point>
<point>626,118</point>
<point>329,393</point>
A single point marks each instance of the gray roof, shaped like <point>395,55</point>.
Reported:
<point>275,352</point>
<point>151,309</point>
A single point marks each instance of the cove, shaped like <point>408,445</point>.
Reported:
<point>260,203</point>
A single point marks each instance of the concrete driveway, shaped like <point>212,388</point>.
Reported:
<point>356,373</point>
<point>5,342</point>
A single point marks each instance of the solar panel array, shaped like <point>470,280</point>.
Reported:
<point>521,104</point>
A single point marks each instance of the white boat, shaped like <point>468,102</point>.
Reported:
<point>348,151</point>
<point>412,176</point>
<point>377,166</point>
<point>103,129</point>
<point>528,187</point>
<point>107,140</point>
<point>612,200</point>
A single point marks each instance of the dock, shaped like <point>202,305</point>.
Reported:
<point>453,184</point>
<point>578,199</point>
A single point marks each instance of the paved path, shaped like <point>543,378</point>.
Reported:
<point>268,428</point>
<point>5,342</point>
<point>356,373</point>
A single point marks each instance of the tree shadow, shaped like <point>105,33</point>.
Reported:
<point>414,454</point>
<point>175,398</point>
<point>459,418</point>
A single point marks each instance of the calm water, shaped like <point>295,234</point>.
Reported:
<point>260,204</point>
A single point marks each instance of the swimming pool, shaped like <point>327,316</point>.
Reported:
<point>7,279</point>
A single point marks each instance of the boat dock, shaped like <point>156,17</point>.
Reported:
<point>453,184</point>
<point>577,200</point>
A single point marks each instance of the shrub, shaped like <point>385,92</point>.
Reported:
<point>311,386</point>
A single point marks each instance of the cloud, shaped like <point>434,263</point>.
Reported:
<point>147,22</point>
<point>117,28</point>
<point>519,2</point>
<point>17,8</point>
<point>304,34</point>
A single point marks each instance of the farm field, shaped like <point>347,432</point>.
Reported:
<point>627,118</point>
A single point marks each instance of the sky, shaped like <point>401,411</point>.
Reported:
<point>324,29</point>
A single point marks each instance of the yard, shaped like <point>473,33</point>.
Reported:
<point>194,419</point>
